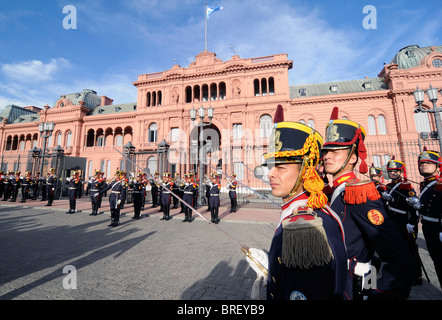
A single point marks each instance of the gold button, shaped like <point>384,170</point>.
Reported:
<point>279,260</point>
<point>273,279</point>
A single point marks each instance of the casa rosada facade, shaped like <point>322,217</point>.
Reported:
<point>242,94</point>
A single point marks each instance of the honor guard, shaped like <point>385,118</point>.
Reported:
<point>397,199</point>
<point>8,185</point>
<point>26,185</point>
<point>188,197</point>
<point>51,186</point>
<point>166,196</point>
<point>307,258</point>
<point>144,193</point>
<point>377,178</point>
<point>176,189</point>
<point>115,188</point>
<point>367,227</point>
<point>124,185</point>
<point>232,192</point>
<point>154,189</point>
<point>35,183</point>
<point>431,203</point>
<point>137,187</point>
<point>74,184</point>
<point>208,184</point>
<point>2,183</point>
<point>214,201</point>
<point>15,186</point>
<point>43,187</point>
<point>96,184</point>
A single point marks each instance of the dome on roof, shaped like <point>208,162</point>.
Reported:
<point>411,56</point>
<point>90,98</point>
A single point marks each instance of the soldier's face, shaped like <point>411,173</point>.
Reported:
<point>335,159</point>
<point>427,168</point>
<point>375,178</point>
<point>394,174</point>
<point>283,178</point>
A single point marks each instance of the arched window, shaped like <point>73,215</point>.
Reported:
<point>213,92</point>
<point>69,139</point>
<point>222,90</point>
<point>188,94</point>
<point>256,87</point>
<point>148,99</point>
<point>382,128</point>
<point>264,86</point>
<point>205,89</point>
<point>271,86</point>
<point>371,125</point>
<point>196,93</point>
<point>311,123</point>
<point>422,121</point>
<point>265,126</point>
<point>152,134</point>
<point>58,141</point>
<point>159,98</point>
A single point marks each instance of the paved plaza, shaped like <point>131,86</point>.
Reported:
<point>42,248</point>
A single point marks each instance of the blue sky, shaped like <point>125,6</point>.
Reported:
<point>116,40</point>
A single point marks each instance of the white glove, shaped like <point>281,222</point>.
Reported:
<point>410,228</point>
<point>118,202</point>
<point>440,237</point>
<point>96,195</point>
<point>53,189</point>
<point>258,261</point>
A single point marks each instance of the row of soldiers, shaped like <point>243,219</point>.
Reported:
<point>11,183</point>
<point>188,191</point>
<point>405,209</point>
<point>165,193</point>
<point>331,234</point>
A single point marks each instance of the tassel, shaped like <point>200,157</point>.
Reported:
<point>314,185</point>
<point>361,192</point>
<point>304,242</point>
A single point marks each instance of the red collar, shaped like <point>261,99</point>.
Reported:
<point>302,196</point>
<point>348,176</point>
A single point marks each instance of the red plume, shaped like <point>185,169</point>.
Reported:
<point>279,114</point>
<point>334,114</point>
<point>425,148</point>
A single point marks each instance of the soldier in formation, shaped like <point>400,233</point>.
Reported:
<point>74,183</point>
<point>367,227</point>
<point>430,213</point>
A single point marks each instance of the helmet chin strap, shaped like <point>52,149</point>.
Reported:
<point>353,147</point>
<point>299,181</point>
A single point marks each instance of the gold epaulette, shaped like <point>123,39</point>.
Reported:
<point>360,192</point>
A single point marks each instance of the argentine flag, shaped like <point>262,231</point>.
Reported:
<point>211,10</point>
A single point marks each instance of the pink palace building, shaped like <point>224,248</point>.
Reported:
<point>238,99</point>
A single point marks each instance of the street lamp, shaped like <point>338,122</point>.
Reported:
<point>201,125</point>
<point>129,150</point>
<point>46,129</point>
<point>432,96</point>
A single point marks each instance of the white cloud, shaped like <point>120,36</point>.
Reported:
<point>33,70</point>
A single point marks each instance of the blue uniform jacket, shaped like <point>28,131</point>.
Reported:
<point>368,229</point>
<point>325,282</point>
<point>115,187</point>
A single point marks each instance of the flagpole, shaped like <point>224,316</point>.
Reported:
<point>205,33</point>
